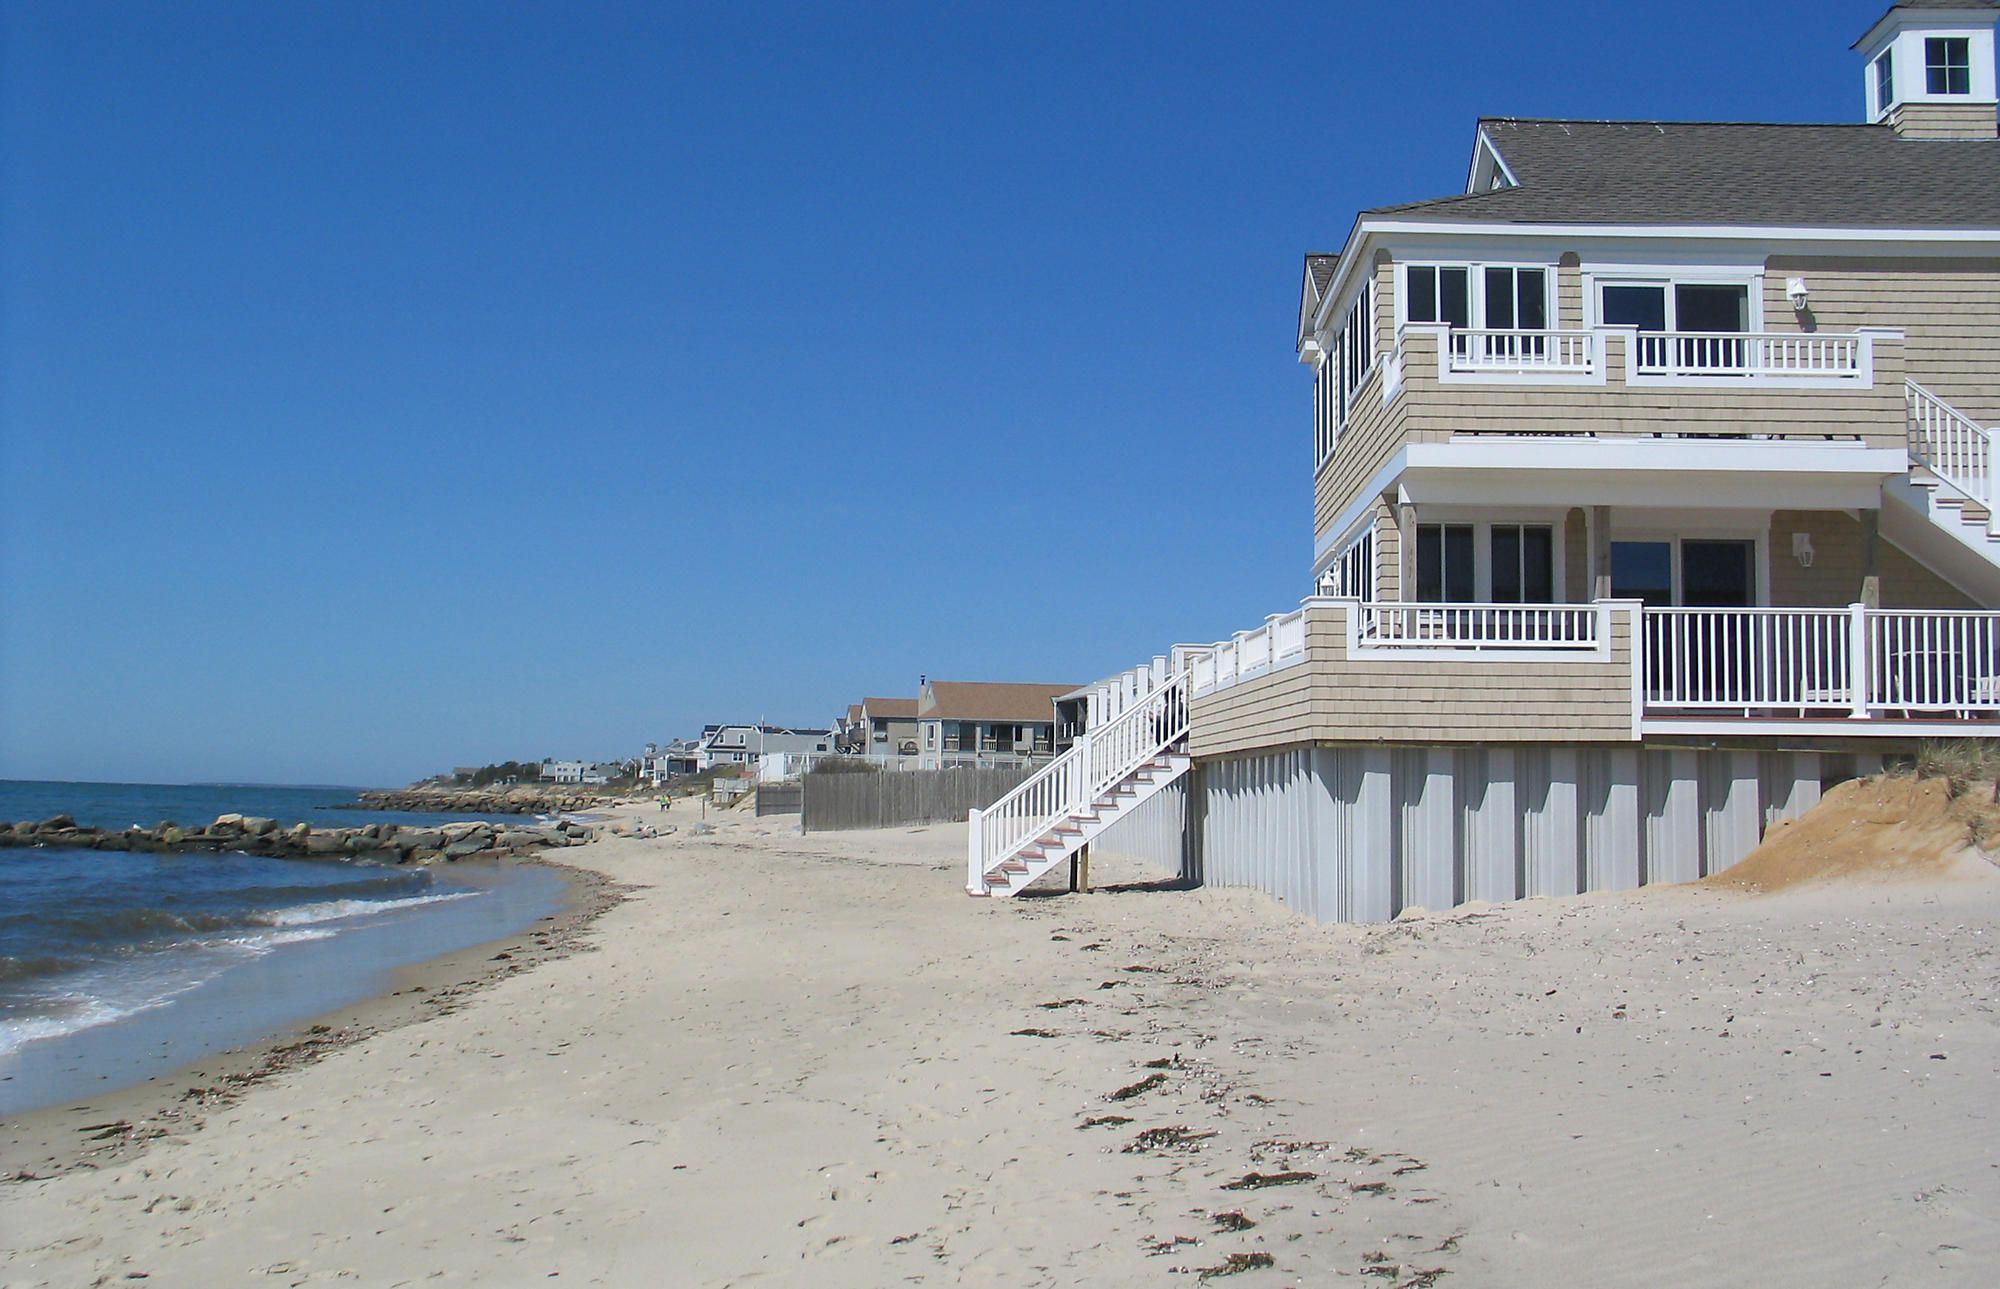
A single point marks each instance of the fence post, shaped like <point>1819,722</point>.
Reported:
<point>975,866</point>
<point>1857,660</point>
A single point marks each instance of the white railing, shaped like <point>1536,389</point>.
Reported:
<point>1487,349</point>
<point>1475,626</point>
<point>1935,661</point>
<point>1953,446</point>
<point>1098,760</point>
<point>1744,659</point>
<point>1855,661</point>
<point>1757,354</point>
<point>1280,641</point>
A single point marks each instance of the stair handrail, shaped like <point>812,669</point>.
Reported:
<point>1951,445</point>
<point>1098,760</point>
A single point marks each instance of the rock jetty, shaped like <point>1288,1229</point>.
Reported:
<point>520,799</point>
<point>385,843</point>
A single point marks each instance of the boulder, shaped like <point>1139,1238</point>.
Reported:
<point>231,823</point>
<point>525,839</point>
<point>298,833</point>
<point>464,848</point>
<point>56,823</point>
<point>329,842</point>
<point>257,826</point>
<point>420,839</point>
<point>423,855</point>
<point>169,834</point>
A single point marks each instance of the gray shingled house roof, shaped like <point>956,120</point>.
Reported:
<point>1664,172</point>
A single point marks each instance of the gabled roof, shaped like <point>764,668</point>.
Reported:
<point>1726,173</point>
<point>966,700</point>
<point>1319,275</point>
<point>890,707</point>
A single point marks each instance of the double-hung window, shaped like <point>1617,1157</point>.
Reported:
<point>1885,81</point>
<point>1948,65</point>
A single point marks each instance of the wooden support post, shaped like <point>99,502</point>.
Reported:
<point>1406,553</point>
<point>1871,574</point>
<point>1079,870</point>
<point>1600,552</point>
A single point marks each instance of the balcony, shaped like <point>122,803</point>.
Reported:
<point>1610,671</point>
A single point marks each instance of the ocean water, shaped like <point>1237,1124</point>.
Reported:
<point>120,805</point>
<point>116,967</point>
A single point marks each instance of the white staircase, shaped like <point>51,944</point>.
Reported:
<point>1944,512</point>
<point>1110,771</point>
<point>1954,456</point>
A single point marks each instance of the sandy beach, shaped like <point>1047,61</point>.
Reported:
<point>814,1061</point>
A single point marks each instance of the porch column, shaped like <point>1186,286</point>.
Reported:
<point>1406,551</point>
<point>1871,576</point>
<point>1600,552</point>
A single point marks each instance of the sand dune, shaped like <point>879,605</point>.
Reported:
<point>813,1061</point>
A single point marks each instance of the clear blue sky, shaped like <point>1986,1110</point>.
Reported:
<point>391,386</point>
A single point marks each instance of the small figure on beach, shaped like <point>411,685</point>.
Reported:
<point>665,801</point>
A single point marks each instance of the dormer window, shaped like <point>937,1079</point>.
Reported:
<point>1885,81</point>
<point>1947,65</point>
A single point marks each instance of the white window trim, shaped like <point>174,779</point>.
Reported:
<point>1924,65</point>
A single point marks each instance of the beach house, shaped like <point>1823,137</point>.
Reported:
<point>723,745</point>
<point>988,723</point>
<point>1653,490</point>
<point>883,729</point>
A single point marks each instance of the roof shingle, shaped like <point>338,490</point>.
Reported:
<point>1662,172</point>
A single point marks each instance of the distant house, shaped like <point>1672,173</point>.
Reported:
<point>881,728</point>
<point>722,745</point>
<point>564,771</point>
<point>985,723</point>
<point>659,764</point>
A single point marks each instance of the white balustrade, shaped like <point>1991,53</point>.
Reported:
<point>1748,354</point>
<point>1933,661</point>
<point>1476,626</point>
<point>1855,661</point>
<point>1488,349</point>
<point>1280,641</point>
<point>1698,659</point>
<point>1954,447</point>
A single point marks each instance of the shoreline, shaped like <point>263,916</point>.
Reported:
<point>118,1126</point>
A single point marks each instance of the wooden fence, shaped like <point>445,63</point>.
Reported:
<point>778,799</point>
<point>889,797</point>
